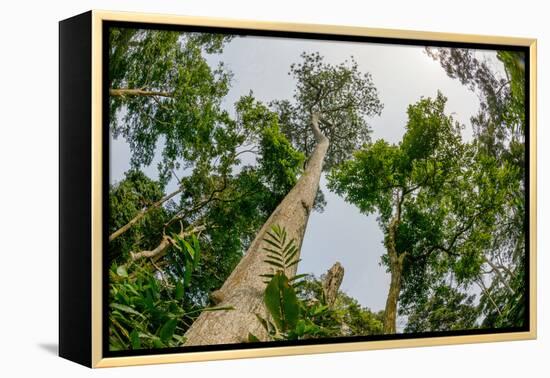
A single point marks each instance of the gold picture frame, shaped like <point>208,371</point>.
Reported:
<point>84,275</point>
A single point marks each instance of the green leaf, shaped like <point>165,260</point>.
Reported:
<point>125,308</point>
<point>252,338</point>
<point>134,339</point>
<point>181,339</point>
<point>263,322</point>
<point>274,244</point>
<point>289,248</point>
<point>187,273</point>
<point>293,263</point>
<point>180,290</point>
<point>282,302</point>
<point>274,252</point>
<point>157,343</point>
<point>197,248</point>
<point>168,330</point>
<point>274,263</point>
<point>291,256</point>
<point>188,248</point>
<point>121,271</point>
<point>297,277</point>
<point>300,328</point>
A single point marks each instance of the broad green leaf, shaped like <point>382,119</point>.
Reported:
<point>197,249</point>
<point>187,273</point>
<point>134,339</point>
<point>125,308</point>
<point>180,290</point>
<point>167,330</point>
<point>281,302</point>
<point>188,248</point>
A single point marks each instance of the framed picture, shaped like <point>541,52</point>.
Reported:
<point>236,189</point>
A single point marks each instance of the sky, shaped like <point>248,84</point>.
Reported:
<point>402,74</point>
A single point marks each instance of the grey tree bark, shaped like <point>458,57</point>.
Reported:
<point>243,290</point>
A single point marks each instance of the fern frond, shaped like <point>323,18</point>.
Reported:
<point>280,252</point>
<point>275,263</point>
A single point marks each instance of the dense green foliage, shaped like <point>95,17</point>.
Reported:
<point>446,309</point>
<point>499,129</point>
<point>147,308</point>
<point>179,102</point>
<point>342,95</point>
<point>440,202</point>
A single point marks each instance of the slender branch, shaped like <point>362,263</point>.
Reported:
<point>142,213</point>
<point>162,247</point>
<point>502,87</point>
<point>454,239</point>
<point>483,288</point>
<point>252,151</point>
<point>499,275</point>
<point>347,105</point>
<point>199,206</point>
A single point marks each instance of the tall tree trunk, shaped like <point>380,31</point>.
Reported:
<point>138,92</point>
<point>243,290</point>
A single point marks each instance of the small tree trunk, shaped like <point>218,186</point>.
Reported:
<point>396,270</point>
<point>332,282</point>
<point>244,288</point>
<point>390,313</point>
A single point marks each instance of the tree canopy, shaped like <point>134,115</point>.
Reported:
<point>343,96</point>
<point>439,201</point>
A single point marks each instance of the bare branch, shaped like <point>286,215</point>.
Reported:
<point>142,213</point>
<point>166,241</point>
<point>499,275</point>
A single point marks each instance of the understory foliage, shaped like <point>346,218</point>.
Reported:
<point>298,307</point>
<point>147,308</point>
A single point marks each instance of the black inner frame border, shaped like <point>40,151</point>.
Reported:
<point>106,25</point>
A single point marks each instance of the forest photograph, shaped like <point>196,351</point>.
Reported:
<point>275,190</point>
